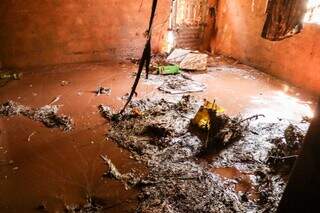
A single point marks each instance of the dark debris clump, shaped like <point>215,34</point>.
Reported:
<point>103,91</point>
<point>47,114</point>
<point>286,149</point>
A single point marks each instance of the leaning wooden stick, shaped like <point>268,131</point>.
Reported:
<point>145,59</point>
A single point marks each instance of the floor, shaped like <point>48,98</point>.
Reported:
<point>51,168</point>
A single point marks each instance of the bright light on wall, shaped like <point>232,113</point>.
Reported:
<point>313,12</point>
<point>170,40</point>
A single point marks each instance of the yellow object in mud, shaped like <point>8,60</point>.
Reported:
<point>203,119</point>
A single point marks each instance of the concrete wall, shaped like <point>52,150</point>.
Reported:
<point>296,60</point>
<point>46,32</point>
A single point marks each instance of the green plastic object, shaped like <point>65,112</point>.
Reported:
<point>168,70</point>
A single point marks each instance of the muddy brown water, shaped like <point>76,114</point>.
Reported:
<point>244,183</point>
<point>50,167</point>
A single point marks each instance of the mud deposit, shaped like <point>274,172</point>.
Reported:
<point>182,178</point>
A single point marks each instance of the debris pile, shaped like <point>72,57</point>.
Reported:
<point>195,61</point>
<point>160,136</point>
<point>176,84</point>
<point>287,148</point>
<point>47,114</point>
<point>92,205</point>
<point>251,155</point>
<point>177,55</point>
<point>215,128</point>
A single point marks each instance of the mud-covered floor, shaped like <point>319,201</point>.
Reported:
<point>42,168</point>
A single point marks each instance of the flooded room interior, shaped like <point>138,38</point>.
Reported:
<point>152,106</point>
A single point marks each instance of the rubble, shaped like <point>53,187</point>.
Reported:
<point>177,181</point>
<point>92,205</point>
<point>47,114</point>
<point>179,84</point>
<point>177,55</point>
<point>195,61</point>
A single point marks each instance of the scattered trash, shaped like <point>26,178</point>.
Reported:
<point>195,61</point>
<point>55,100</point>
<point>203,118</point>
<point>47,114</point>
<point>32,134</point>
<point>215,129</point>
<point>168,70</point>
<point>103,91</point>
<point>5,77</point>
<point>175,182</point>
<point>65,83</point>
<point>125,97</point>
<point>181,85</point>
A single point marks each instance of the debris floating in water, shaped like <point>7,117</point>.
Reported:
<point>92,205</point>
<point>103,91</point>
<point>47,114</point>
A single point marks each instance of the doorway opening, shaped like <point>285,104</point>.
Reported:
<point>187,25</point>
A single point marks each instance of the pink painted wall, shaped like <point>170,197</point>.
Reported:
<point>46,32</point>
<point>296,60</point>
